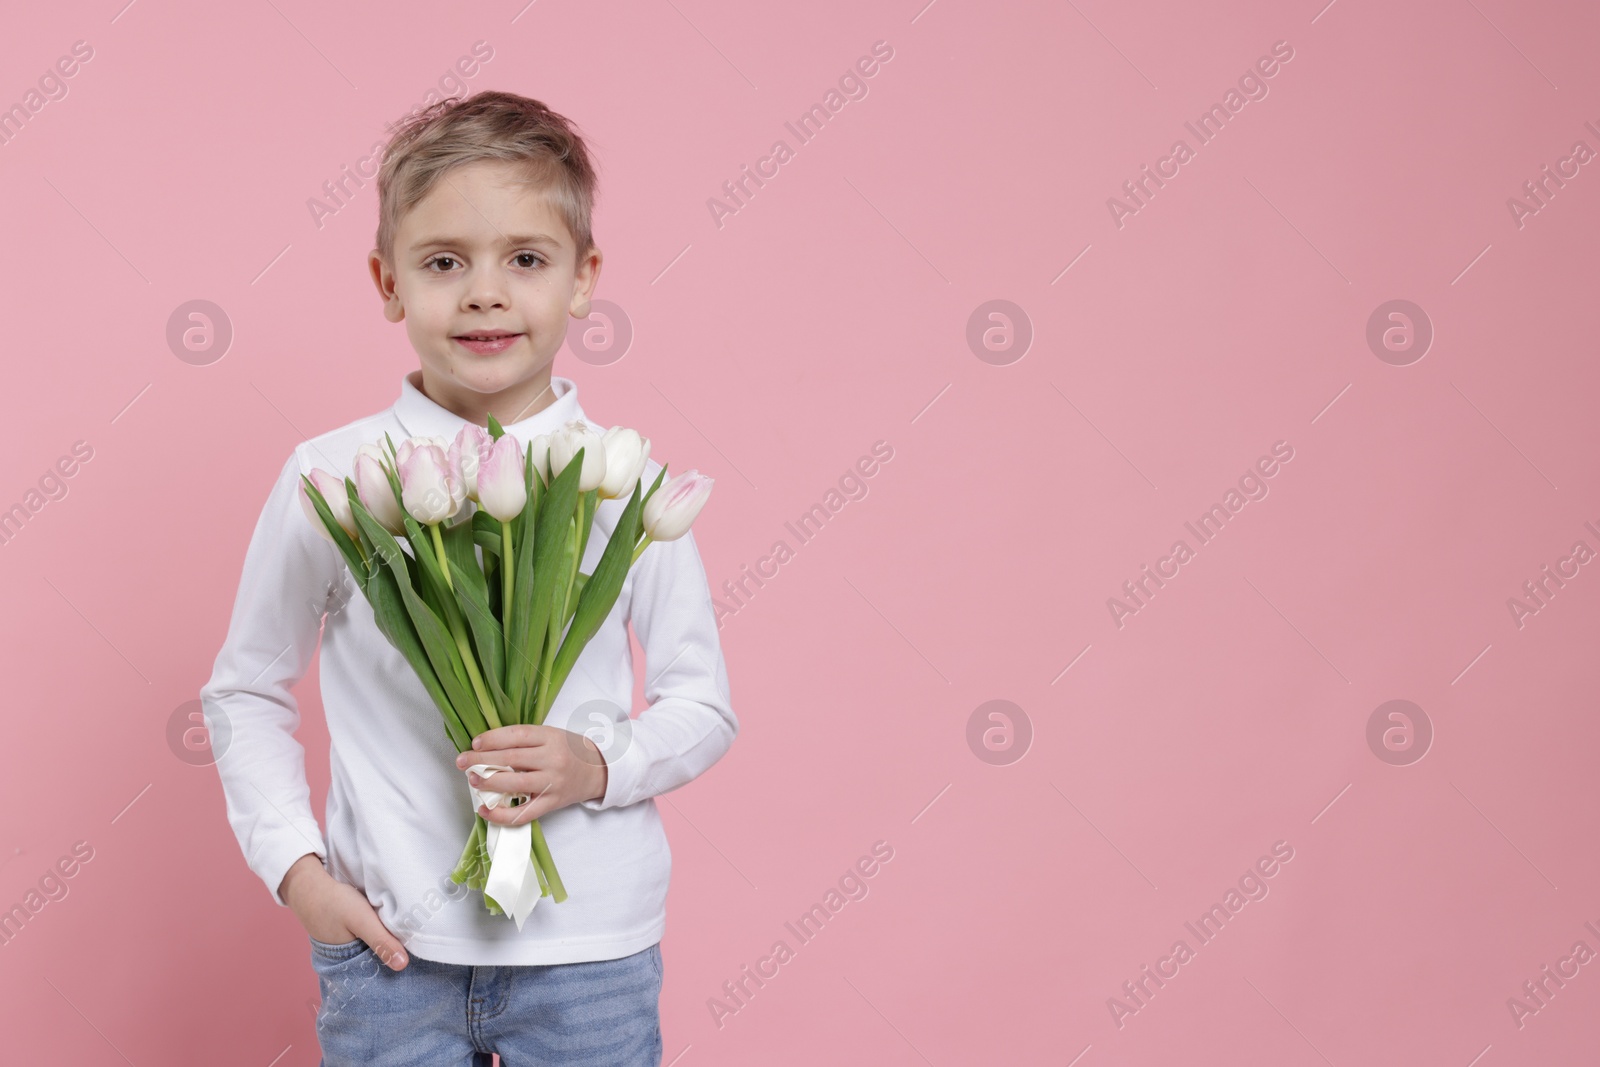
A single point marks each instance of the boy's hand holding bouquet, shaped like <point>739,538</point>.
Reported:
<point>488,606</point>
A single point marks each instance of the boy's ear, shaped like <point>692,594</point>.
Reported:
<point>585,278</point>
<point>383,278</point>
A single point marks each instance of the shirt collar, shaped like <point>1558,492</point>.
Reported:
<point>423,417</point>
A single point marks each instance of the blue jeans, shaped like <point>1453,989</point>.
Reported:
<point>604,1013</point>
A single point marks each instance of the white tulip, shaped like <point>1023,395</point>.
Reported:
<point>626,453</point>
<point>376,451</point>
<point>540,447</point>
<point>564,447</point>
<point>372,486</point>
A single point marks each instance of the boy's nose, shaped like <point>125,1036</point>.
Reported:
<point>487,291</point>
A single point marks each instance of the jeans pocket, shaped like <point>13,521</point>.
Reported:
<point>331,953</point>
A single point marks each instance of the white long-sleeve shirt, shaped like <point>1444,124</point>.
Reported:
<point>398,809</point>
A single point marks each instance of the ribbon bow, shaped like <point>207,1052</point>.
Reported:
<point>513,880</point>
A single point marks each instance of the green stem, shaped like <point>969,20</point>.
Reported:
<point>637,552</point>
<point>544,696</point>
<point>438,548</point>
<point>469,869</point>
<point>541,697</point>
<point>469,659</point>
<point>541,854</point>
<point>506,583</point>
<point>574,546</point>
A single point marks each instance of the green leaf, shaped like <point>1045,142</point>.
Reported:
<point>431,633</point>
<point>347,547</point>
<point>457,538</point>
<point>591,504</point>
<point>473,596</point>
<point>388,610</point>
<point>440,599</point>
<point>537,555</point>
<point>577,595</point>
<point>661,476</point>
<point>371,565</point>
<point>491,578</point>
<point>389,604</point>
<point>439,595</point>
<point>536,487</point>
<point>599,593</point>
<point>486,531</point>
<point>550,567</point>
<point>495,429</point>
<point>434,587</point>
<point>544,694</point>
<point>536,491</point>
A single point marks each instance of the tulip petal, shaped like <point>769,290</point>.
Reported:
<point>430,490</point>
<point>671,510</point>
<point>502,492</point>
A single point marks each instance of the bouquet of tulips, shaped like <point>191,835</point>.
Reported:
<point>485,601</point>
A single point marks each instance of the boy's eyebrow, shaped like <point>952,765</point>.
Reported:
<point>513,239</point>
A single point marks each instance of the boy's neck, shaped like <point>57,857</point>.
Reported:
<point>508,406</point>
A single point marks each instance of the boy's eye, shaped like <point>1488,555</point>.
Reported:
<point>443,264</point>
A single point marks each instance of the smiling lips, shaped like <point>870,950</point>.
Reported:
<point>486,342</point>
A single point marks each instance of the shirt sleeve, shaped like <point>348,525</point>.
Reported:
<point>689,722</point>
<point>290,571</point>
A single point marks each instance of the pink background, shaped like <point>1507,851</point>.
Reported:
<point>831,312</point>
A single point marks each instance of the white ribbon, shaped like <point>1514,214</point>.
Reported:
<point>513,881</point>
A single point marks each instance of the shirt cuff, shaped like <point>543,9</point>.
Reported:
<point>282,851</point>
<point>622,774</point>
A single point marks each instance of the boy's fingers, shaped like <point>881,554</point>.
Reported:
<point>384,945</point>
<point>513,736</point>
<point>524,760</point>
<point>522,813</point>
<point>537,806</point>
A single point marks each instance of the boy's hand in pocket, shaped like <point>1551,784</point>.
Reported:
<point>335,912</point>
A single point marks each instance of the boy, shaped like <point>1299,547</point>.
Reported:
<point>483,249</point>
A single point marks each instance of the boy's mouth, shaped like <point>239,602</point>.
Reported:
<point>486,342</point>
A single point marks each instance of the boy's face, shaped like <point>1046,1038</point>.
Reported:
<point>484,276</point>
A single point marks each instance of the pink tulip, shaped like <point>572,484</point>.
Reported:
<point>372,486</point>
<point>333,491</point>
<point>431,491</point>
<point>671,510</point>
<point>467,453</point>
<point>410,444</point>
<point>502,492</point>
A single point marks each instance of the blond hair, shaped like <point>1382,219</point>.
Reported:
<point>490,125</point>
